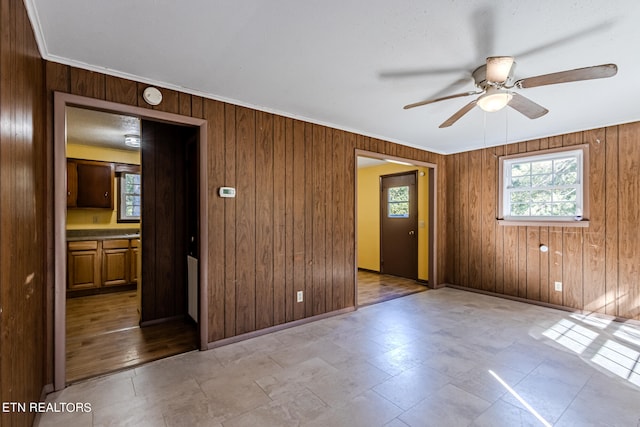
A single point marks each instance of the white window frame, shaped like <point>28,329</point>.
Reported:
<point>580,152</point>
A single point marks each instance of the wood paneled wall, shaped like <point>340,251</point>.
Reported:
<point>291,226</point>
<point>22,219</point>
<point>598,266</point>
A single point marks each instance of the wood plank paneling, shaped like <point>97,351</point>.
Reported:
<point>337,208</point>
<point>299,199</point>
<point>226,313</point>
<point>289,220</point>
<point>319,189</point>
<point>87,83</point>
<point>280,217</point>
<point>475,217</point>
<point>214,112</point>
<point>595,265</point>
<point>594,294</point>
<point>489,173</point>
<point>264,220</point>
<point>122,91</point>
<point>628,220</point>
<point>611,221</point>
<point>24,169</point>
<point>349,221</point>
<point>245,304</point>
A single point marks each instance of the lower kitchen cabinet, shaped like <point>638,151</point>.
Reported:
<point>100,264</point>
<point>115,262</point>
<point>83,268</point>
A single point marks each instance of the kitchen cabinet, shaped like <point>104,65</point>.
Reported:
<point>83,265</point>
<point>115,262</point>
<point>133,274</point>
<point>90,184</point>
<point>96,265</point>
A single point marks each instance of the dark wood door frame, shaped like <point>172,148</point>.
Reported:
<point>58,299</point>
<point>433,210</point>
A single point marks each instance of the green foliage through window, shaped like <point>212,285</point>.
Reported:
<point>544,186</point>
<point>398,202</point>
<point>130,196</point>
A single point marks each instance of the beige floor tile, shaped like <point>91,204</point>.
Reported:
<point>366,410</point>
<point>412,386</point>
<point>451,406</point>
<point>418,360</point>
<point>280,413</point>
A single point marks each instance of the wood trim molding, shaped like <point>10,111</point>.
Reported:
<point>61,101</point>
<point>281,327</point>
<point>433,211</point>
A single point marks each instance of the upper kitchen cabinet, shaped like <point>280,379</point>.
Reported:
<point>90,184</point>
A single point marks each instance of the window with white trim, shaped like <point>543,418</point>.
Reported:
<point>546,186</point>
<point>129,186</point>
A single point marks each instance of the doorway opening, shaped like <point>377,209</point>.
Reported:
<point>130,266</point>
<point>395,234</point>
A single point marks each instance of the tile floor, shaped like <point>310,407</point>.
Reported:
<point>437,358</point>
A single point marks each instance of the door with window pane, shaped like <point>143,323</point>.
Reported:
<point>399,225</point>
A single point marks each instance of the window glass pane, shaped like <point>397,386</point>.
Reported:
<point>541,196</point>
<point>520,209</point>
<point>398,198</point>
<point>567,178</point>
<point>399,194</point>
<point>541,209</point>
<point>543,167</point>
<point>541,180</point>
<point>567,194</point>
<point>520,197</point>
<point>130,186</point>
<point>521,181</point>
<point>565,165</point>
<point>521,169</point>
<point>399,210</point>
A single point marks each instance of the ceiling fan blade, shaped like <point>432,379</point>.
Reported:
<point>431,101</point>
<point>461,112</point>
<point>587,73</point>
<point>527,107</point>
<point>499,68</point>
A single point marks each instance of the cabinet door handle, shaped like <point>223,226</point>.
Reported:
<point>106,194</point>
<point>68,193</point>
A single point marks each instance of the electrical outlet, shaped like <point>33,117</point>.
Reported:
<point>299,296</point>
<point>558,286</point>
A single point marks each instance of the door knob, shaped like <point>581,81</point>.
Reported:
<point>411,233</point>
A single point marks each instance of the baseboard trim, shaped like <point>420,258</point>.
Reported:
<point>271,329</point>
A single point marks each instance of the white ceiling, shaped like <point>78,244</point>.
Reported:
<point>353,65</point>
<point>101,129</point>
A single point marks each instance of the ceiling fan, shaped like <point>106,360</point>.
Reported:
<point>494,85</point>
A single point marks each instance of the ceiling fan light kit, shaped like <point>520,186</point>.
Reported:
<point>494,83</point>
<point>499,68</point>
<point>494,99</point>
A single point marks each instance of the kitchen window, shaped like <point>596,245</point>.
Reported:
<point>549,186</point>
<point>129,188</point>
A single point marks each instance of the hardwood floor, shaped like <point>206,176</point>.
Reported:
<point>103,335</point>
<point>374,287</point>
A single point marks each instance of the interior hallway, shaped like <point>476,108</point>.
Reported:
<point>443,357</point>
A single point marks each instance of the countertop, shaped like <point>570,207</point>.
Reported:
<point>106,234</point>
